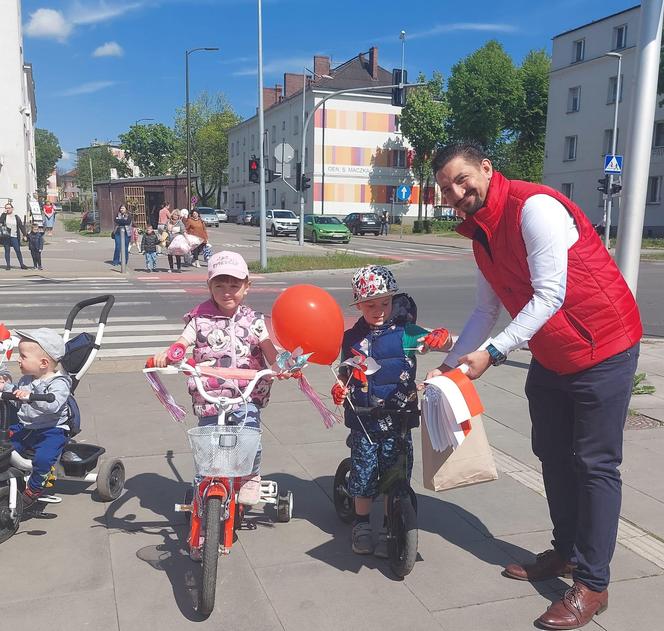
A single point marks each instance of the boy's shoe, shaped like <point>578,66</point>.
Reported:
<point>250,491</point>
<point>170,271</point>
<point>362,541</point>
<point>381,549</point>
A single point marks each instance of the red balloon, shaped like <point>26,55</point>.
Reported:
<point>307,316</point>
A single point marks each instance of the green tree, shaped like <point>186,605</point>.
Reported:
<point>484,94</point>
<point>151,147</point>
<point>47,154</point>
<point>210,119</point>
<point>523,157</point>
<point>422,122</point>
<point>103,161</point>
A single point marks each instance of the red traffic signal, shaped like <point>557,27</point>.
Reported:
<point>254,170</point>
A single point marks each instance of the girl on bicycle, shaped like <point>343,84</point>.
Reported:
<point>232,334</point>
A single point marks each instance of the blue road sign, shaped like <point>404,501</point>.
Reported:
<point>403,193</point>
<point>613,164</point>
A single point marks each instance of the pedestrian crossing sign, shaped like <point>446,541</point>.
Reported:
<point>613,164</point>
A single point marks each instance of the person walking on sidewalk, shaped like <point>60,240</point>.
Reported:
<point>36,245</point>
<point>49,217</point>
<point>539,257</point>
<point>122,223</point>
<point>174,228</point>
<point>195,226</point>
<point>11,229</point>
<point>149,244</point>
<point>384,223</point>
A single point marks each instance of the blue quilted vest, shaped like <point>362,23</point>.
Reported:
<point>393,385</point>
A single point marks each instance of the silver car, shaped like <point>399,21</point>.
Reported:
<point>208,215</point>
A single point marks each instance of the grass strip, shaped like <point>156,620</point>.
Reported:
<point>336,260</point>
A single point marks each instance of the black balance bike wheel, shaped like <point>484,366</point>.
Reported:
<point>210,555</point>
<point>402,523</point>
<point>344,504</point>
<point>9,526</point>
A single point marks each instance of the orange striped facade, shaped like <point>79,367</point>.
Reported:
<point>368,193</point>
<point>355,121</point>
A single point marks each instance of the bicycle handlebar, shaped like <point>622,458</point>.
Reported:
<point>10,396</point>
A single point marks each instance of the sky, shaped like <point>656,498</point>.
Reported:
<point>101,65</point>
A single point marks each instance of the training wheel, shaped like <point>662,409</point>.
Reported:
<point>285,506</point>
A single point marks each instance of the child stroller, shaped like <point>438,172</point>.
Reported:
<point>77,459</point>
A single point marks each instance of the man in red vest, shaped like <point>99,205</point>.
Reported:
<point>539,257</point>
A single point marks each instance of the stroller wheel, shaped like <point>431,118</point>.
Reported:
<point>110,480</point>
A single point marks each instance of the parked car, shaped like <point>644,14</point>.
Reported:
<point>57,207</point>
<point>325,228</point>
<point>221,214</point>
<point>245,218</point>
<point>279,222</point>
<point>362,223</point>
<point>208,215</point>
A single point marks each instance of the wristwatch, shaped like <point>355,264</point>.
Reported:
<point>497,358</point>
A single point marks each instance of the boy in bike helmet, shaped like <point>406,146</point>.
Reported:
<point>378,337</point>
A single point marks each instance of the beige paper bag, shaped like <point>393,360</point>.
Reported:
<point>471,463</point>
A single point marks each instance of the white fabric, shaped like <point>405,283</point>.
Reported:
<point>548,232</point>
<point>10,222</point>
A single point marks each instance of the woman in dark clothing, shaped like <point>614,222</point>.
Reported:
<point>11,229</point>
<point>122,222</point>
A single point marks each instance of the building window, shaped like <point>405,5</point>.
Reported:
<point>574,99</point>
<point>283,125</point>
<point>608,141</point>
<point>244,140</point>
<point>613,88</point>
<point>253,199</point>
<point>654,194</point>
<point>399,158</point>
<point>296,125</point>
<point>658,136</point>
<point>397,122</point>
<point>253,142</point>
<point>620,37</point>
<point>570,148</point>
<point>274,197</point>
<point>567,189</point>
<point>274,134</point>
<point>578,50</point>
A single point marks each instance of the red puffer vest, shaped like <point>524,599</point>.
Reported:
<point>599,316</point>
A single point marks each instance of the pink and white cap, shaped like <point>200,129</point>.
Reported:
<point>227,263</point>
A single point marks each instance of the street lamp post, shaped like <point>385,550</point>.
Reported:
<point>609,192</point>
<point>186,74</point>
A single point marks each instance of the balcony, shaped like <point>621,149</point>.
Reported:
<point>657,155</point>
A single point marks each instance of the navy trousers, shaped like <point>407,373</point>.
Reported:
<point>577,433</point>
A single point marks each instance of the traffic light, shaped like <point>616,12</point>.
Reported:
<point>616,188</point>
<point>254,170</point>
<point>603,184</point>
<point>298,176</point>
<point>399,94</point>
<point>306,183</point>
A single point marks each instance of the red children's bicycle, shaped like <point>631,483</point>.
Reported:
<point>223,455</point>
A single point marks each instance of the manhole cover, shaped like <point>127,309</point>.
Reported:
<point>638,421</point>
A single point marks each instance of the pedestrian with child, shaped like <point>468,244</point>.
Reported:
<point>149,244</point>
<point>11,229</point>
<point>195,226</point>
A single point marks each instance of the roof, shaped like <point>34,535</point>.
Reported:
<point>607,17</point>
<point>355,73</point>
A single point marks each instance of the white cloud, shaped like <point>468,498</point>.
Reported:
<point>48,24</point>
<point>276,67</point>
<point>440,29</point>
<point>59,25</point>
<point>87,88</point>
<point>109,49</point>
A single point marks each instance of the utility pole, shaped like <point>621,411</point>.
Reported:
<point>261,139</point>
<point>637,150</point>
<point>614,139</point>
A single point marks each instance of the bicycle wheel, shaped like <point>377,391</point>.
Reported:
<point>210,555</point>
<point>344,503</point>
<point>9,525</point>
<point>402,523</point>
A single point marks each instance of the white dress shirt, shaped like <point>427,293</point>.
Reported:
<point>548,232</point>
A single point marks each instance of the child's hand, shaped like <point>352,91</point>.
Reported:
<point>161,359</point>
<point>437,340</point>
<point>21,394</point>
<point>339,393</point>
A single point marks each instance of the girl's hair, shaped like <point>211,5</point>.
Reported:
<point>123,206</point>
<point>195,212</point>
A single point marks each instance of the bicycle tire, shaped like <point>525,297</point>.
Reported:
<point>402,521</point>
<point>343,503</point>
<point>9,530</point>
<point>210,558</point>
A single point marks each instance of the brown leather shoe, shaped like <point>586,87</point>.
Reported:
<point>575,609</point>
<point>547,565</point>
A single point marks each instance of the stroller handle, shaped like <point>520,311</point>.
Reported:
<point>107,298</point>
<point>34,396</point>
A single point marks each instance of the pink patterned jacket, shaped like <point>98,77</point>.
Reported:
<point>233,343</point>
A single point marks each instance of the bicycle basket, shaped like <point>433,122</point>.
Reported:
<point>224,451</point>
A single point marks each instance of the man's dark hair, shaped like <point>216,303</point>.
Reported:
<point>468,150</point>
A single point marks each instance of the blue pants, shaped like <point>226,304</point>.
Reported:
<point>150,260</point>
<point>116,251</point>
<point>47,445</point>
<point>578,423</point>
<point>13,242</point>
